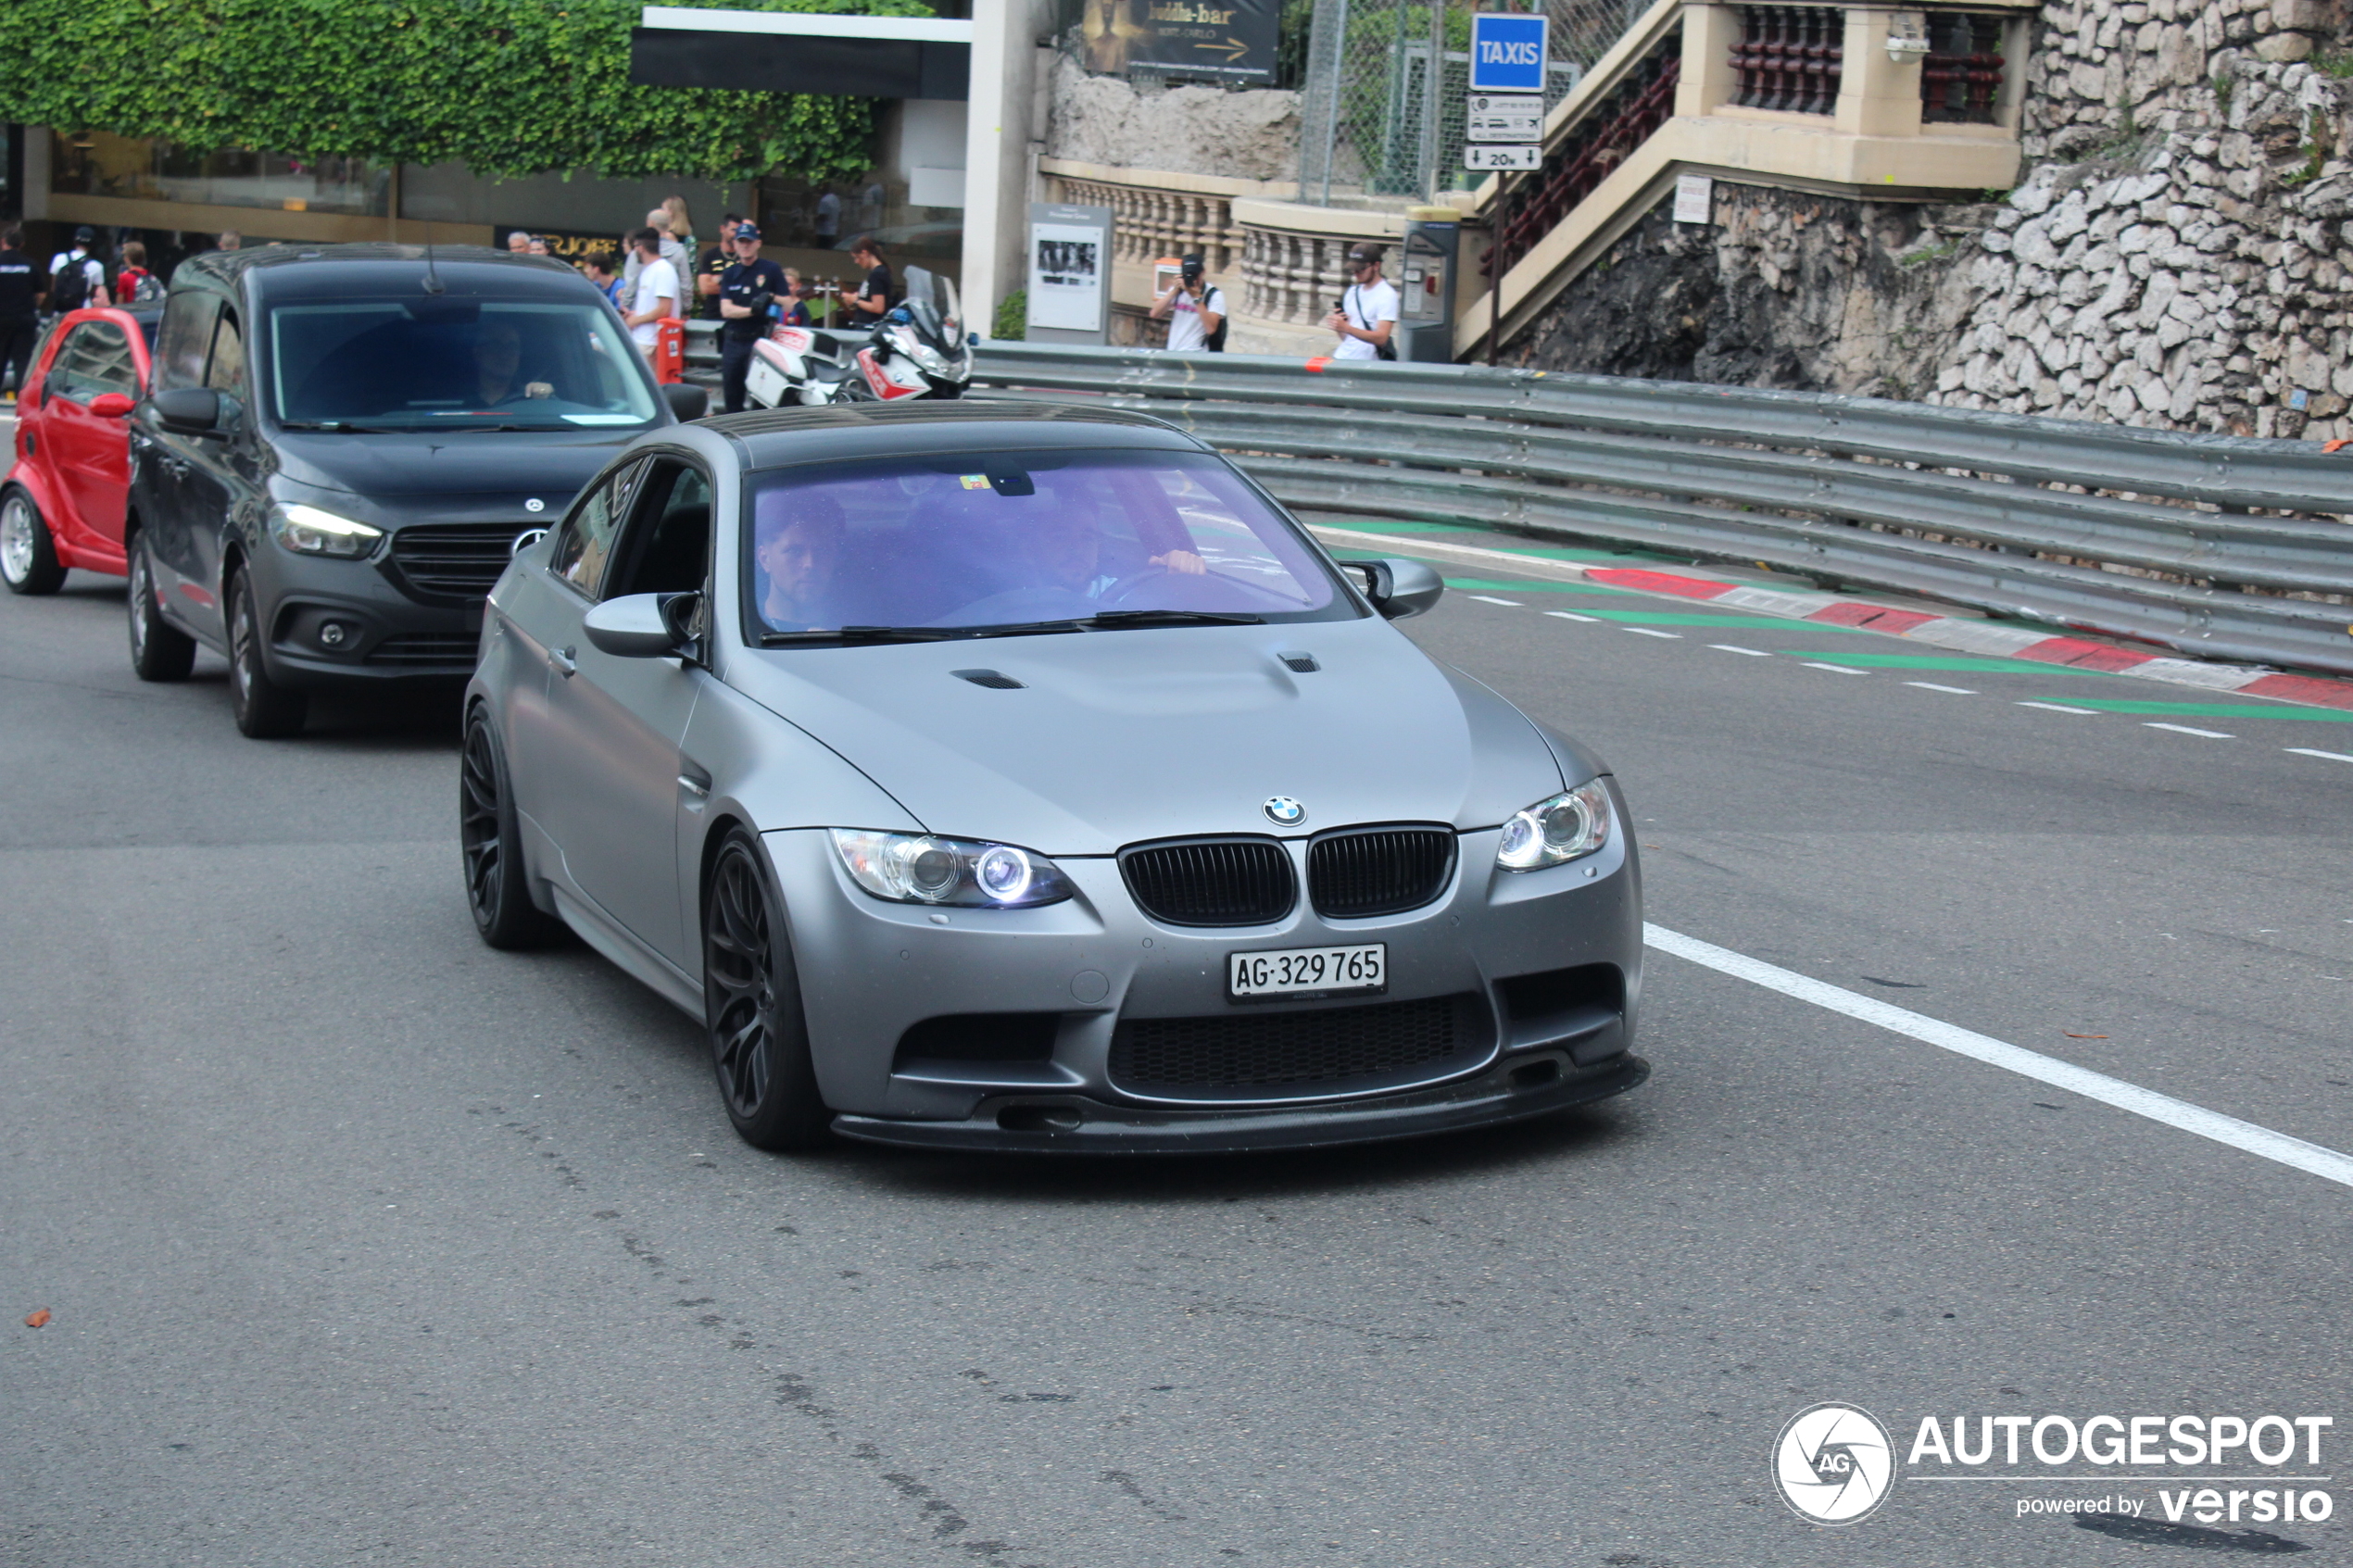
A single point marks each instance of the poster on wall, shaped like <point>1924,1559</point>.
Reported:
<point>1210,40</point>
<point>1069,271</point>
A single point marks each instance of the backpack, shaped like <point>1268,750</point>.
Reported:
<point>1216,343</point>
<point>69,285</point>
<point>146,288</point>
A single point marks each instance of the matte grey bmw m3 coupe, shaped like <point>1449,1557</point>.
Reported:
<point>1025,777</point>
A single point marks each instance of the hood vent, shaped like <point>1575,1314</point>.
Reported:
<point>1300,664</point>
<point>995,679</point>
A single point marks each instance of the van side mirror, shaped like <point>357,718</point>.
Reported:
<point>686,400</point>
<point>191,410</point>
<point>1398,588</point>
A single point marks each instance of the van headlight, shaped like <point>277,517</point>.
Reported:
<point>1569,827</point>
<point>921,868</point>
<point>311,531</point>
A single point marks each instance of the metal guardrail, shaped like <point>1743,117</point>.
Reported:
<point>2195,543</point>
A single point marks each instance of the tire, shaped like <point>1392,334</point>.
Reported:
<point>27,555</point>
<point>159,651</point>
<point>751,1000</point>
<point>498,888</point>
<point>265,709</point>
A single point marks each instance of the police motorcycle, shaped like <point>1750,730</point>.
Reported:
<point>918,349</point>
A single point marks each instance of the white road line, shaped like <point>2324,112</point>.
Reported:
<point>1836,669</point>
<point>1572,615</point>
<point>2185,730</point>
<point>1735,648</point>
<point>2292,1151</point>
<point>1491,599</point>
<point>2329,756</point>
<point>1933,687</point>
<point>1648,632</point>
<point>2055,708</point>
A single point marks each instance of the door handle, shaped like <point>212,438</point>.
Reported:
<point>566,665</point>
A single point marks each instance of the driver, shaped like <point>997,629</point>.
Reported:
<point>497,360</point>
<point>797,553</point>
<point>1065,549</point>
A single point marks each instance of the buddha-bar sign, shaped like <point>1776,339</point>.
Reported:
<point>1207,40</point>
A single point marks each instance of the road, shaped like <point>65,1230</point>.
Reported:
<point>365,1244</point>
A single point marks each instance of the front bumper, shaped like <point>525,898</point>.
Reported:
<point>1513,1090</point>
<point>1078,973</point>
<point>382,635</point>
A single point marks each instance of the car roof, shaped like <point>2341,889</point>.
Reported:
<point>297,271</point>
<point>780,437</point>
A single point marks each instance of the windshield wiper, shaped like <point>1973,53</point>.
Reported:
<point>915,633</point>
<point>333,427</point>
<point>1114,619</point>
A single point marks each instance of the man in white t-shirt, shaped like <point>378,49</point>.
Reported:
<point>94,271</point>
<point>1367,314</point>
<point>655,294</point>
<point>1192,308</point>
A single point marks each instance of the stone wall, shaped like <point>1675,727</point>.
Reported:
<point>2171,258</point>
<point>1245,135</point>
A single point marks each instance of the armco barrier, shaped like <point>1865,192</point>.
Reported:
<point>2193,541</point>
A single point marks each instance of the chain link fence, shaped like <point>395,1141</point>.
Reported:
<point>1384,83</point>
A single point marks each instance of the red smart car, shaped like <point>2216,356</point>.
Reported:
<point>62,503</point>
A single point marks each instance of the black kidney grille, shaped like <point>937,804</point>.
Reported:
<point>426,648</point>
<point>1247,1050</point>
<point>1378,870</point>
<point>459,561</point>
<point>1212,881</point>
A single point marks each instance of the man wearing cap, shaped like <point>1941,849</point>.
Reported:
<point>65,296</point>
<point>1194,310</point>
<point>748,293</point>
<point>1367,313</point>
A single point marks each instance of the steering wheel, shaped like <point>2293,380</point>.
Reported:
<point>1117,593</point>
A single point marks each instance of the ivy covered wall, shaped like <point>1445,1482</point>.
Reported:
<point>506,87</point>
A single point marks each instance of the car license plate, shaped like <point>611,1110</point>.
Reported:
<point>1307,972</point>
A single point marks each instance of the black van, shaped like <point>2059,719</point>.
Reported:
<point>343,446</point>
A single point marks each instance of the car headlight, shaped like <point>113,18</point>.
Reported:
<point>1569,827</point>
<point>920,868</point>
<point>311,532</point>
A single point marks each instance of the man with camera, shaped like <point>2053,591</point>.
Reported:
<point>1194,309</point>
<point>748,293</point>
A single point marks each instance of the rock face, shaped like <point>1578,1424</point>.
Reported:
<point>2169,258</point>
<point>1788,290</point>
<point>1245,135</point>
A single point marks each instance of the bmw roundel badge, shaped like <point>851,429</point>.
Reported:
<point>1283,812</point>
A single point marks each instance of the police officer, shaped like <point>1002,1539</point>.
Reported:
<point>20,289</point>
<point>748,293</point>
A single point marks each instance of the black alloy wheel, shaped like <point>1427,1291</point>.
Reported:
<point>28,556</point>
<point>159,651</point>
<point>498,890</point>
<point>751,997</point>
<point>265,709</point>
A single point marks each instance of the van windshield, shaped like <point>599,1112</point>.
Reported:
<point>417,363</point>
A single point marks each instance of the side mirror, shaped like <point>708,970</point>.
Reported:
<point>112,404</point>
<point>1398,588</point>
<point>632,627</point>
<point>191,410</point>
<point>686,400</point>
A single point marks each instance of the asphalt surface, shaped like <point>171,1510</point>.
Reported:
<point>365,1244</point>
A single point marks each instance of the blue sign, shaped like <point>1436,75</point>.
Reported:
<point>1507,52</point>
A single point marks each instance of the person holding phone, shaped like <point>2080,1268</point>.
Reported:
<point>1365,317</point>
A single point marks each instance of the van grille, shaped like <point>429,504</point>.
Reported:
<point>457,560</point>
<point>1365,871</point>
<point>1257,1050</point>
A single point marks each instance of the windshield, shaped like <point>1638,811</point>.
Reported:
<point>1020,539</point>
<point>419,362</point>
<point>931,302</point>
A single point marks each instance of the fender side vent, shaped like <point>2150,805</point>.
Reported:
<point>1300,664</point>
<point>995,679</point>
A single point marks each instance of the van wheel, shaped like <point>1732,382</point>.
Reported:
<point>28,556</point>
<point>159,651</point>
<point>265,709</point>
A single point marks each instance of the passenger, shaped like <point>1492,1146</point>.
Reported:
<point>796,554</point>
